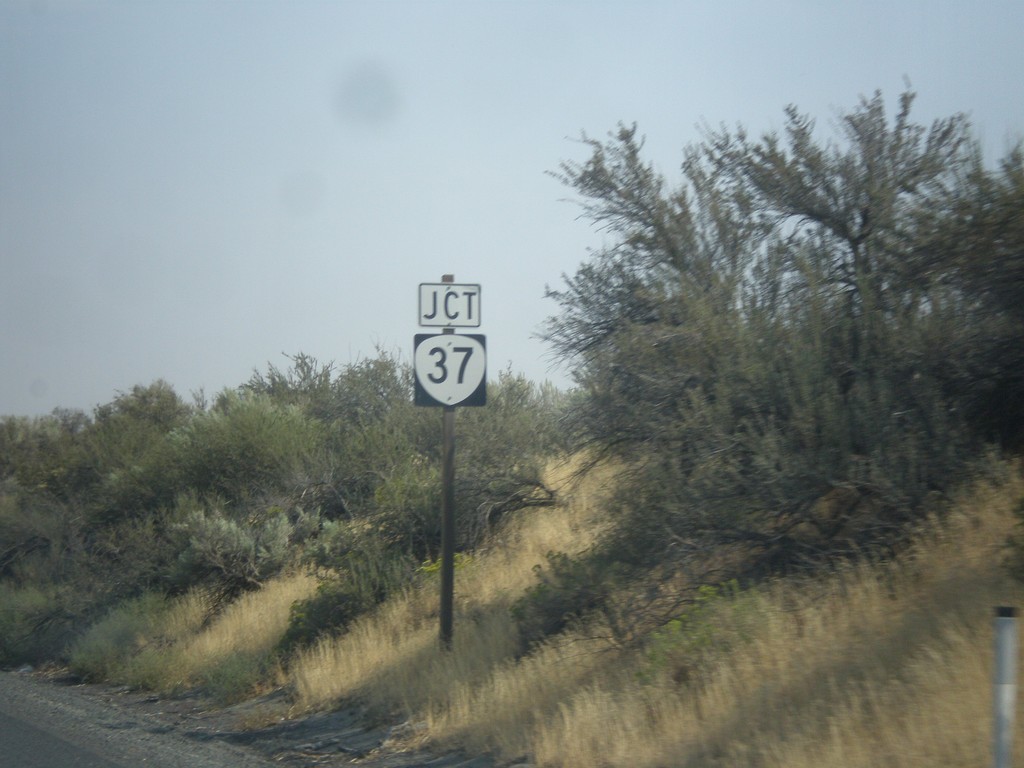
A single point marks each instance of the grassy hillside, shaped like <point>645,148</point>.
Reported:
<point>884,663</point>
<point>790,364</point>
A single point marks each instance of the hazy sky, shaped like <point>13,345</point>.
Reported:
<point>190,190</point>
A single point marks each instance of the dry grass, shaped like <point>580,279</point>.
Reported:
<point>502,712</point>
<point>231,655</point>
<point>391,659</point>
<point>882,664</point>
<point>126,645</point>
<point>254,623</point>
<point>879,665</point>
<point>885,665</point>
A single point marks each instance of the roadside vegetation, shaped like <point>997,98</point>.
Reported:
<point>766,527</point>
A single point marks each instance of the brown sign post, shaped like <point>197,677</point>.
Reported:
<point>450,370</point>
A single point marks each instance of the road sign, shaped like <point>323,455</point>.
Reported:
<point>451,369</point>
<point>448,305</point>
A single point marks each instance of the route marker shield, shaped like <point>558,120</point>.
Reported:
<point>451,369</point>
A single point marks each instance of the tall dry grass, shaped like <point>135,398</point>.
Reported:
<point>232,654</point>
<point>391,659</point>
<point>879,664</point>
<point>145,625</point>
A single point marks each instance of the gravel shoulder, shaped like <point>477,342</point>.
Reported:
<point>118,734</point>
<point>188,731</point>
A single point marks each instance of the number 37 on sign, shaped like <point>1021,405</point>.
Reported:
<point>451,369</point>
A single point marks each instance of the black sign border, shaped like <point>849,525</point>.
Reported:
<point>423,398</point>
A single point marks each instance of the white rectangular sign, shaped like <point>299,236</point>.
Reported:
<point>449,305</point>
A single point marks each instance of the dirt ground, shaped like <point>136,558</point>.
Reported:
<point>189,730</point>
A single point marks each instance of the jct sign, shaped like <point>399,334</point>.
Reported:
<point>449,305</point>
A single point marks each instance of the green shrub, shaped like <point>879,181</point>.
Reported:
<point>131,458</point>
<point>502,451</point>
<point>334,467</point>
<point>236,677</point>
<point>334,606</point>
<point>718,620</point>
<point>46,455</point>
<point>230,555</point>
<point>109,645</point>
<point>246,447</point>
<point>406,505</point>
<point>779,325</point>
<point>38,536</point>
<point>365,572</point>
<point>568,590</point>
<point>35,624</point>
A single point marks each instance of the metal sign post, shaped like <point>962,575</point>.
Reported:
<point>450,370</point>
<point>447,525</point>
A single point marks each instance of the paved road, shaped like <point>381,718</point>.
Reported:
<point>23,745</point>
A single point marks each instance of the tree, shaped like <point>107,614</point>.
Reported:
<point>765,334</point>
<point>976,239</point>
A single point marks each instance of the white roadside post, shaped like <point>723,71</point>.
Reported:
<point>1005,685</point>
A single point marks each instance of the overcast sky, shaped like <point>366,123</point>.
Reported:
<point>191,190</point>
